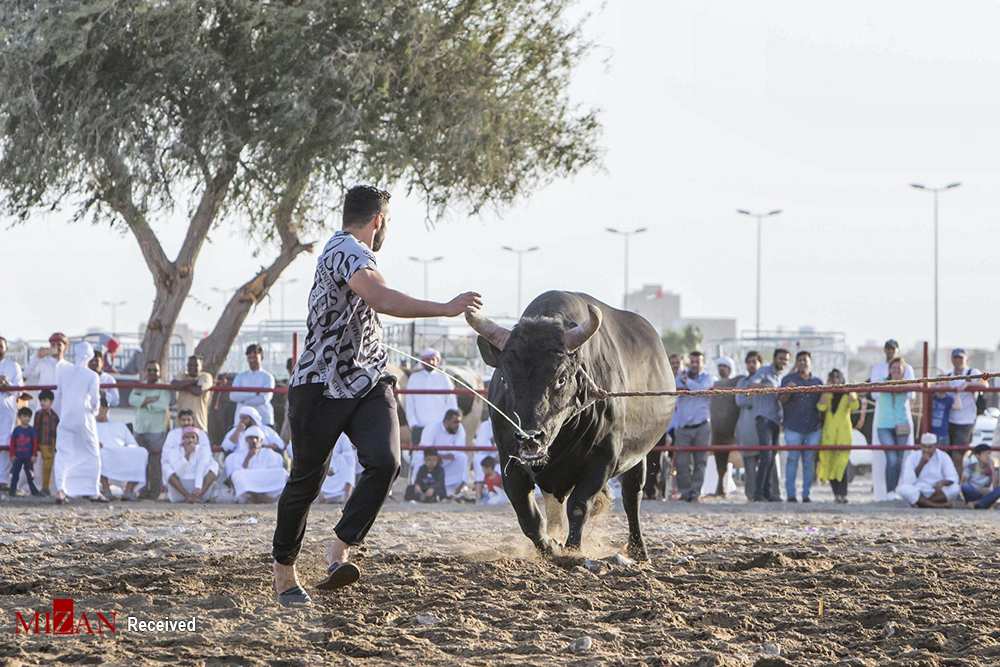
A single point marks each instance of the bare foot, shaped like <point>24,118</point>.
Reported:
<point>284,577</point>
<point>337,551</point>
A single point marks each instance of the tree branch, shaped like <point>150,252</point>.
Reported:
<point>211,201</point>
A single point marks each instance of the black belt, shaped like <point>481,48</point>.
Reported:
<point>695,425</point>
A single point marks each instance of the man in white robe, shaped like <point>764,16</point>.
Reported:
<point>123,461</point>
<point>928,478</point>
<point>880,373</point>
<point>189,469</point>
<point>339,481</point>
<point>10,375</point>
<point>446,433</point>
<point>261,475</point>
<point>423,410</point>
<point>172,443</point>
<point>234,441</point>
<point>45,365</point>
<point>77,467</point>
<point>110,394</point>
<point>255,377</point>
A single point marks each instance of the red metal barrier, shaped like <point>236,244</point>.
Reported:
<point>727,448</point>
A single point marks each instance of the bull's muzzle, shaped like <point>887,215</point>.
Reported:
<point>530,445</point>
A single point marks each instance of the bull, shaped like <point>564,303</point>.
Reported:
<point>570,441</point>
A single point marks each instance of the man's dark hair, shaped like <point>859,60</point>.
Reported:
<point>362,203</point>
<point>488,461</point>
<point>753,354</point>
<point>255,347</point>
<point>24,412</point>
<point>185,411</point>
<point>803,353</point>
<point>451,412</point>
<point>696,353</point>
<point>196,357</point>
<point>430,452</point>
<point>780,350</point>
<point>46,395</point>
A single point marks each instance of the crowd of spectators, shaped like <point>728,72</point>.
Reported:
<point>803,427</point>
<point>157,456</point>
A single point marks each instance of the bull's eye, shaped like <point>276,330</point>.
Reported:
<point>561,382</point>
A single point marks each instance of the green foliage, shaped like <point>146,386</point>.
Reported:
<point>682,342</point>
<point>103,101</point>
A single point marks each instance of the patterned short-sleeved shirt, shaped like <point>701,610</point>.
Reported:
<point>343,347</point>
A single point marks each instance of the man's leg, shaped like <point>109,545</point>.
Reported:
<point>750,474</point>
<point>374,430</point>
<point>762,489</point>
<point>316,423</point>
<point>682,462</point>
<point>987,501</point>
<point>702,437</point>
<point>792,439</point>
<point>960,435</point>
<point>809,463</point>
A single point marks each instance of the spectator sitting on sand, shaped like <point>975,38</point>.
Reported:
<point>982,481</point>
<point>428,486</point>
<point>929,478</point>
<point>261,475</point>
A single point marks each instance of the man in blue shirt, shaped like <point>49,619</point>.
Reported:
<point>691,428</point>
<point>802,426</point>
<point>767,413</point>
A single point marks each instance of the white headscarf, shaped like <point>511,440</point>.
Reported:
<point>83,352</point>
<point>251,412</point>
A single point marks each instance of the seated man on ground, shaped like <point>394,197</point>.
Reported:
<point>261,475</point>
<point>928,478</point>
<point>339,481</point>
<point>447,433</point>
<point>190,470</point>
<point>428,487</point>
<point>981,487</point>
<point>235,446</point>
<point>185,420</point>
<point>123,461</point>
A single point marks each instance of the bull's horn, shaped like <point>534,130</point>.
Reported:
<point>581,333</point>
<point>488,329</point>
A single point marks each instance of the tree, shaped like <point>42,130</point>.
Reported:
<point>257,114</point>
<point>682,342</point>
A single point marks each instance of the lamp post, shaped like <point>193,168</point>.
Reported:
<point>426,263</point>
<point>520,254</point>
<point>935,192</point>
<point>626,235</point>
<point>759,217</point>
<point>113,305</point>
<point>288,281</point>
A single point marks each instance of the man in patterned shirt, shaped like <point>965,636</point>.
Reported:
<point>340,386</point>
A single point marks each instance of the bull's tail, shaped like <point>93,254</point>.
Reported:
<point>602,502</point>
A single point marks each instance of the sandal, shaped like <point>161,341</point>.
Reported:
<point>294,597</point>
<point>339,575</point>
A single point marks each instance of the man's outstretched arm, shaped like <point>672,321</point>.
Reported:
<point>370,286</point>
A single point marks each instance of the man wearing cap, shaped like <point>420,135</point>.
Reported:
<point>880,373</point>
<point>724,414</point>
<point>423,410</point>
<point>928,478</point>
<point>962,417</point>
<point>44,366</point>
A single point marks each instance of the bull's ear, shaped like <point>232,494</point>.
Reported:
<point>489,352</point>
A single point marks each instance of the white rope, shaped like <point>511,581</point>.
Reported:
<point>464,384</point>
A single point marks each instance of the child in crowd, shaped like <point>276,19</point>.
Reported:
<point>46,422</point>
<point>428,486</point>
<point>23,451</point>
<point>491,478</point>
<point>982,481</point>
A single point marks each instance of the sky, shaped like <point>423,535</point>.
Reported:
<point>826,111</point>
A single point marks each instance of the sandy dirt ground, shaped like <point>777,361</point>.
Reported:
<point>728,584</point>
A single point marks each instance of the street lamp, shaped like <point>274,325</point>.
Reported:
<point>288,281</point>
<point>520,253</point>
<point>426,263</point>
<point>935,192</point>
<point>626,235</point>
<point>759,217</point>
<point>114,314</point>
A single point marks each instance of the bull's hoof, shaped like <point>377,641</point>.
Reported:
<point>637,552</point>
<point>548,547</point>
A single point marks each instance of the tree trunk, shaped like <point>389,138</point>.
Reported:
<point>214,348</point>
<point>171,293</point>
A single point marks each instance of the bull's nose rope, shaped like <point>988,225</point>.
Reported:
<point>517,426</point>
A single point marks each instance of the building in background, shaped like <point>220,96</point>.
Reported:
<point>662,309</point>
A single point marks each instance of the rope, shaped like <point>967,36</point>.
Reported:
<point>901,385</point>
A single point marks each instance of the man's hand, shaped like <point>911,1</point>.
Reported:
<point>467,301</point>
<point>149,400</point>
